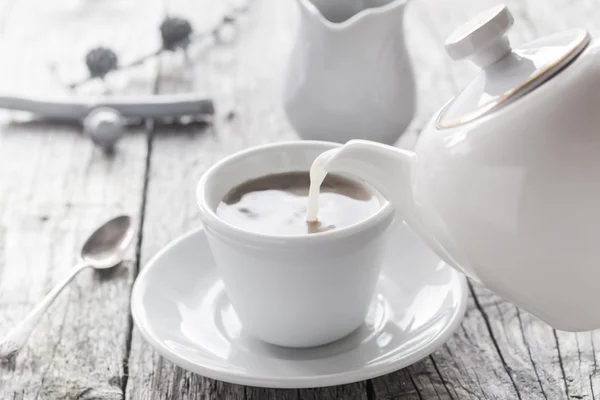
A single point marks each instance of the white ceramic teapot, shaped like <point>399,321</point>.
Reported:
<point>504,182</point>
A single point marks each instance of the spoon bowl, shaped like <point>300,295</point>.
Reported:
<point>106,247</point>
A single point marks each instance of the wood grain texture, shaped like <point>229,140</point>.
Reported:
<point>55,188</point>
<point>242,79</point>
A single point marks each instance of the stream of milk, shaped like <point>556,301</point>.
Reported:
<point>317,175</point>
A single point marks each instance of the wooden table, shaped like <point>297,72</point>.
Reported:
<point>56,186</point>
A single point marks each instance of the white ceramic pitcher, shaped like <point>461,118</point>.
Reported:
<point>349,75</point>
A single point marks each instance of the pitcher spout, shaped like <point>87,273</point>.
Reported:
<point>341,14</point>
<point>389,170</point>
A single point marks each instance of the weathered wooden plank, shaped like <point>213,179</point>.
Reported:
<point>55,187</point>
<point>356,391</point>
<point>240,79</point>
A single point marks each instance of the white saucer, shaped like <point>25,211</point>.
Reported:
<point>180,307</point>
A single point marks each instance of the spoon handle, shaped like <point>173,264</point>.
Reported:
<point>17,338</point>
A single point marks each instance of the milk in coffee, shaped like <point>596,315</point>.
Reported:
<point>276,204</point>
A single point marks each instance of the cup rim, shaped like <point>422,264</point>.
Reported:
<point>210,216</point>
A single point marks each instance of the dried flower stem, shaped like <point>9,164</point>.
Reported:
<point>228,19</point>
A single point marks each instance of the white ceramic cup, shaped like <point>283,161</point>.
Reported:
<point>295,291</point>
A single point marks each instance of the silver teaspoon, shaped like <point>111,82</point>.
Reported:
<point>105,248</point>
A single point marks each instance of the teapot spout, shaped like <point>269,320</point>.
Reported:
<point>387,169</point>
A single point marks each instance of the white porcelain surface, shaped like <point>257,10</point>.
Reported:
<point>529,65</point>
<point>297,291</point>
<point>512,198</point>
<point>506,73</point>
<point>334,90</point>
<point>482,35</point>
<point>181,308</point>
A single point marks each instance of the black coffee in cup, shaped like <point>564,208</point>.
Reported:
<point>276,204</point>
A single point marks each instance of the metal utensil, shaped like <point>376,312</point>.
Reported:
<point>105,248</point>
<point>104,118</point>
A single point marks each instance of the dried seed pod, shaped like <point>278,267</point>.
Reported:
<point>175,32</point>
<point>100,61</point>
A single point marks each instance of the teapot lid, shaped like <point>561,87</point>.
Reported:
<point>506,73</point>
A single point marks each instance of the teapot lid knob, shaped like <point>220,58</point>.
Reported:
<point>506,73</point>
<point>483,39</point>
